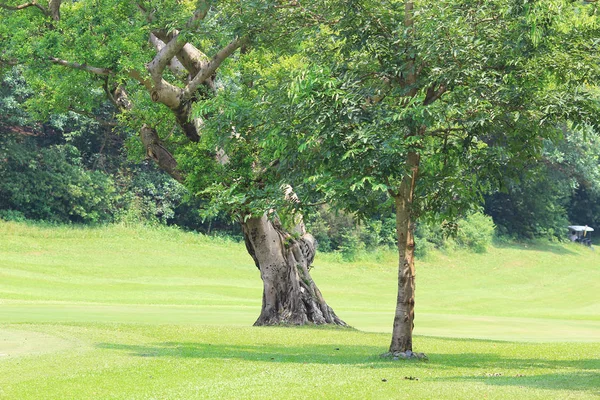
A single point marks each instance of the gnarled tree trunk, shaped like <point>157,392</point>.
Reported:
<point>290,296</point>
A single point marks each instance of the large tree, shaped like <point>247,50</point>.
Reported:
<point>431,102</point>
<point>154,60</point>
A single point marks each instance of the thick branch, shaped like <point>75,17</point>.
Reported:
<point>192,59</point>
<point>138,77</point>
<point>54,8</point>
<point>157,66</point>
<point>174,64</point>
<point>202,7</point>
<point>410,78</point>
<point>174,45</point>
<point>212,66</point>
<point>159,153</point>
<point>148,136</point>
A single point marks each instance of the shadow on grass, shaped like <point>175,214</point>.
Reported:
<point>537,245</point>
<point>492,361</point>
<point>491,368</point>
<point>344,354</point>
<point>320,354</point>
<point>567,380</point>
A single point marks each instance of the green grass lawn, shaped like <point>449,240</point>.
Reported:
<point>138,313</point>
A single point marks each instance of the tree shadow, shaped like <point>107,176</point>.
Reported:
<point>342,354</point>
<point>496,369</point>
<point>564,380</point>
<point>491,361</point>
<point>537,245</point>
<point>320,354</point>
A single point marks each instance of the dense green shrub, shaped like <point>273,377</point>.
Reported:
<point>51,184</point>
<point>150,195</point>
<point>339,232</point>
<point>333,229</point>
<point>475,232</point>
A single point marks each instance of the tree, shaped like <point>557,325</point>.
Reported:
<point>431,102</point>
<point>542,201</point>
<point>150,60</point>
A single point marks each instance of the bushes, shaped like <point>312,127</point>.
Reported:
<point>338,232</point>
<point>51,184</point>
<point>149,196</point>
<point>474,232</point>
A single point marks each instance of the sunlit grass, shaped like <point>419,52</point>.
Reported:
<point>138,313</point>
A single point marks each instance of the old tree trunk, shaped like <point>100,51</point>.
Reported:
<point>290,296</point>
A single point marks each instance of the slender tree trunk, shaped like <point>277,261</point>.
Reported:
<point>405,304</point>
<point>290,296</point>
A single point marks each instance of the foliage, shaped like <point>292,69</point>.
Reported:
<point>475,232</point>
<point>339,232</point>
<point>151,196</point>
<point>584,208</point>
<point>134,192</point>
<point>331,228</point>
<point>52,184</point>
<point>554,193</point>
<point>533,208</point>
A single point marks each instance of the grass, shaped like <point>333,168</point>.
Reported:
<point>135,313</point>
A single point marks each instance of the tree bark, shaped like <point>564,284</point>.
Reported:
<point>405,303</point>
<point>290,296</point>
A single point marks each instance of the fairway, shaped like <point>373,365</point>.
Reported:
<point>140,313</point>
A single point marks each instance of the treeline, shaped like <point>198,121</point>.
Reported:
<point>71,168</point>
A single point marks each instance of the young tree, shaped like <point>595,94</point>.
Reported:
<point>431,102</point>
<point>154,60</point>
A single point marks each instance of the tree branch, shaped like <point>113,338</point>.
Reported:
<point>202,7</point>
<point>83,67</point>
<point>432,94</point>
<point>212,66</point>
<point>174,64</point>
<point>97,70</point>
<point>148,136</point>
<point>173,46</point>
<point>157,66</point>
<point>192,58</point>
<point>157,152</point>
<point>54,8</point>
<point>135,74</point>
<point>24,6</point>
